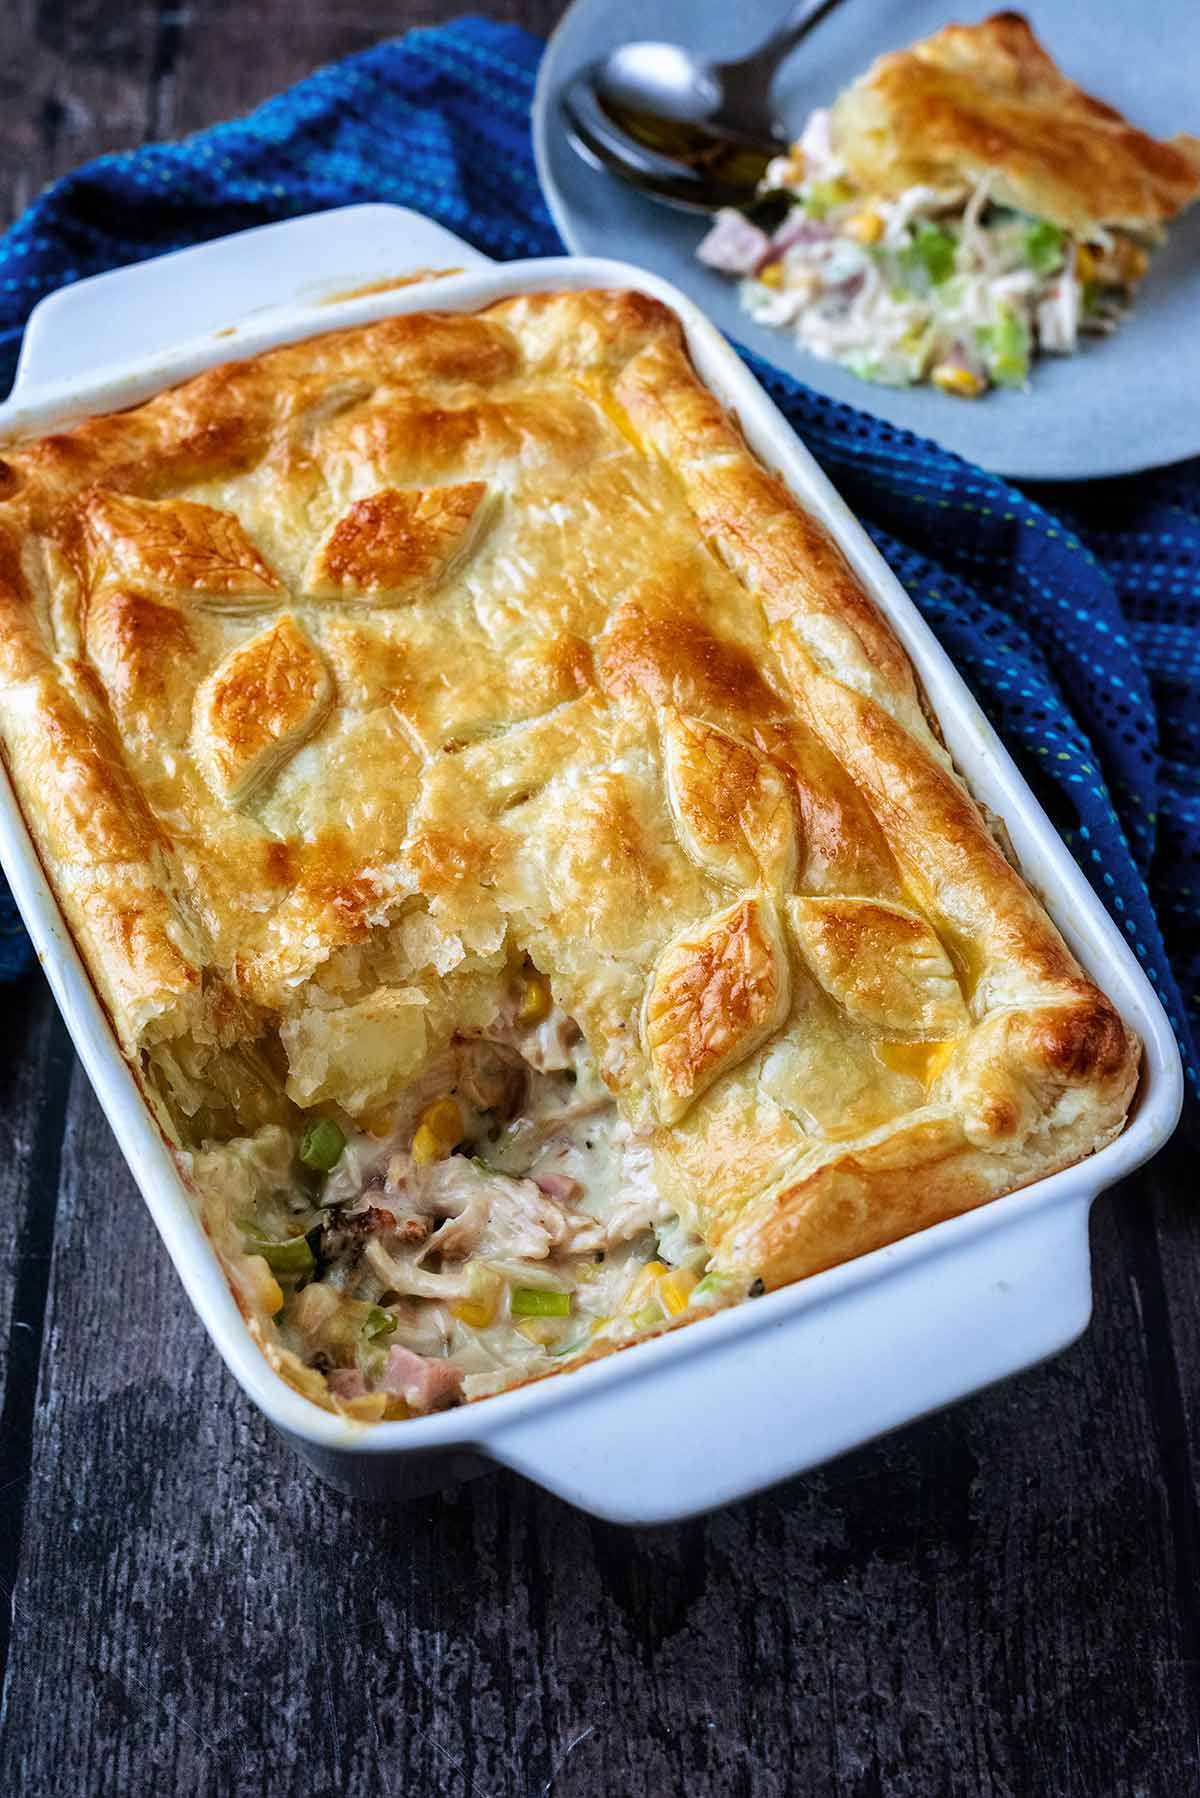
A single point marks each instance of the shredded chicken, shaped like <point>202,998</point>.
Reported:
<point>423,1384</point>
<point>1058,317</point>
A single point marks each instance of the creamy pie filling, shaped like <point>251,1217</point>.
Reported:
<point>498,1221</point>
<point>924,286</point>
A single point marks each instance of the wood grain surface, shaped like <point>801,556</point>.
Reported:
<point>1000,1602</point>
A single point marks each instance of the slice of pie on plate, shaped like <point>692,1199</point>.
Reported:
<point>959,209</point>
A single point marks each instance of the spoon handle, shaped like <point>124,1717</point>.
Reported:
<point>762,62</point>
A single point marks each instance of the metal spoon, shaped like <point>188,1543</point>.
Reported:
<point>694,133</point>
<point>668,82</point>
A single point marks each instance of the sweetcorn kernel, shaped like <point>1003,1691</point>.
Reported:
<point>426,1147</point>
<point>952,377</point>
<point>864,227</point>
<point>1135,262</point>
<point>534,1003</point>
<point>542,1330</point>
<point>675,1289</point>
<point>478,1311</point>
<point>477,1314</point>
<point>444,1119</point>
<point>1085,263</point>
<point>772,275</point>
<point>272,1296</point>
<point>265,1290</point>
<point>642,1288</point>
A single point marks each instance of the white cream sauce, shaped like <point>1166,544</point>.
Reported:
<point>559,1198</point>
<point>931,284</point>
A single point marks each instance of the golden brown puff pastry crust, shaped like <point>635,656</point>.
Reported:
<point>974,100</point>
<point>332,679</point>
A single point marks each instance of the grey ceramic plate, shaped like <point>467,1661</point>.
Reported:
<point>1127,402</point>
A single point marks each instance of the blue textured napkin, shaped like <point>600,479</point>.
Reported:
<point>1074,614</point>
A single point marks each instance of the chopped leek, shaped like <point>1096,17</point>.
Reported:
<point>346,1337</point>
<point>541,1330</point>
<point>822,197</point>
<point>533,1301</point>
<point>930,254</point>
<point>369,1352</point>
<point>293,1258</point>
<point>890,372</point>
<point>712,1287</point>
<point>1045,246</point>
<point>1005,346</point>
<point>377,1323</point>
<point>321,1145</point>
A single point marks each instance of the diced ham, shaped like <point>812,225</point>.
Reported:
<point>423,1383</point>
<point>797,228</point>
<point>559,1186</point>
<point>346,1382</point>
<point>734,245</point>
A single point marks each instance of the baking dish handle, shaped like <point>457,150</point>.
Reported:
<point>713,1418</point>
<point>146,310</point>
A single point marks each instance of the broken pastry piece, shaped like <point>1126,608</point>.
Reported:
<point>961,208</point>
<point>529,937</point>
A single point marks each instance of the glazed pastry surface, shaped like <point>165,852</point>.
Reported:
<point>986,99</point>
<point>332,680</point>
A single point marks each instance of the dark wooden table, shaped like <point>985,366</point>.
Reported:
<point>1001,1602</point>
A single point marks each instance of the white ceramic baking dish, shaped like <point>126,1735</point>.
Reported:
<point>749,1396</point>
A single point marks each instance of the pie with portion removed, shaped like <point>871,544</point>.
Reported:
<point>517,857</point>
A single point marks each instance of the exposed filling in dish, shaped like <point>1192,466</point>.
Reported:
<point>499,1219</point>
<point>920,287</point>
